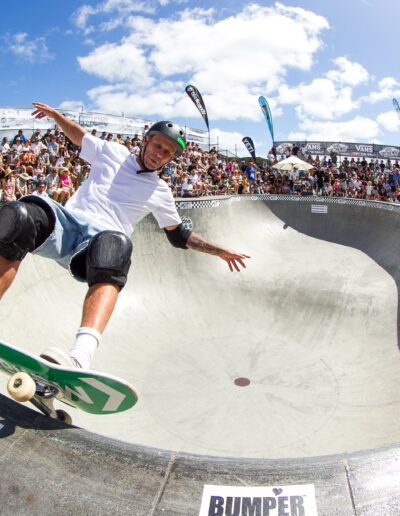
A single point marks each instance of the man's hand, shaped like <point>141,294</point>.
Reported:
<point>232,258</point>
<point>72,130</point>
<point>42,110</point>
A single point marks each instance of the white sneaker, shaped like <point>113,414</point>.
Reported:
<point>59,357</point>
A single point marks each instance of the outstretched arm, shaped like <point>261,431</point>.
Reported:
<point>179,237</point>
<point>71,129</point>
<point>197,243</point>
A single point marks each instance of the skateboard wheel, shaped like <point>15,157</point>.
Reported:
<point>21,387</point>
<point>64,416</point>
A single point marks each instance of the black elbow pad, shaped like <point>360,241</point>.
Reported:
<point>178,236</point>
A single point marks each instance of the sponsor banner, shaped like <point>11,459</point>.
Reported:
<point>21,118</point>
<point>198,101</point>
<point>196,136</point>
<point>185,205</point>
<point>362,150</point>
<point>315,208</point>
<point>12,119</point>
<point>259,501</point>
<point>249,144</point>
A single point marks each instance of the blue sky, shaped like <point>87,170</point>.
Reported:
<point>329,69</point>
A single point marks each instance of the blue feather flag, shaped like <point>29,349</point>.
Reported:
<point>396,106</point>
<point>267,113</point>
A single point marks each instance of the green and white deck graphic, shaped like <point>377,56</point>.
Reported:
<point>91,391</point>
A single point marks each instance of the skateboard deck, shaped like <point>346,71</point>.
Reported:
<point>90,391</point>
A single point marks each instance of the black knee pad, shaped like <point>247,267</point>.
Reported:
<point>17,231</point>
<point>23,228</point>
<point>108,258</point>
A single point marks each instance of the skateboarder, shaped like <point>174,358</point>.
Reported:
<point>90,236</point>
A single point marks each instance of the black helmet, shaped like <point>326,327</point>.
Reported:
<point>172,131</point>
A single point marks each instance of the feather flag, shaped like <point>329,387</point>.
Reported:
<point>267,113</point>
<point>248,142</point>
<point>396,106</point>
<point>196,97</point>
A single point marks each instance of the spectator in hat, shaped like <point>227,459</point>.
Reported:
<point>19,136</point>
<point>8,185</point>
<point>188,188</point>
<point>17,145</point>
<point>45,156</point>
<point>21,184</point>
<point>36,145</point>
<point>30,185</point>
<point>53,183</point>
<point>66,185</point>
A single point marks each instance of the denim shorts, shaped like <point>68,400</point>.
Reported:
<point>69,238</point>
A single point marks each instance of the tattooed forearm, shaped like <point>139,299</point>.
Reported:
<point>197,243</point>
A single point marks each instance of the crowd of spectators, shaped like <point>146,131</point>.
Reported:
<point>49,165</point>
<point>45,165</point>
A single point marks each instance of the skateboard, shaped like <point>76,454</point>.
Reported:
<point>40,382</point>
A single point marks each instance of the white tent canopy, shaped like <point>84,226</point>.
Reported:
<point>293,162</point>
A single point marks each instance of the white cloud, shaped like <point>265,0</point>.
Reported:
<point>125,62</point>
<point>71,104</point>
<point>26,50</point>
<point>388,88</point>
<point>81,16</point>
<point>349,73</point>
<point>115,99</point>
<point>389,121</point>
<point>320,99</point>
<point>329,97</point>
<point>232,61</point>
<point>231,141</point>
<point>212,51</point>
<point>120,8</point>
<point>358,129</point>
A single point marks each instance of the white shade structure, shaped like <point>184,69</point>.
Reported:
<point>293,162</point>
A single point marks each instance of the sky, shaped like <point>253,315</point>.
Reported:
<point>329,69</point>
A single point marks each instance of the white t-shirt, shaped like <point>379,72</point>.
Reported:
<point>114,195</point>
<point>40,194</point>
<point>187,187</point>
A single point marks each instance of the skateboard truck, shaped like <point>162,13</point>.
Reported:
<point>22,387</point>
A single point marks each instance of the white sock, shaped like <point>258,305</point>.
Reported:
<point>87,340</point>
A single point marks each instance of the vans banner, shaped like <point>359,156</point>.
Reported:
<point>361,150</point>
